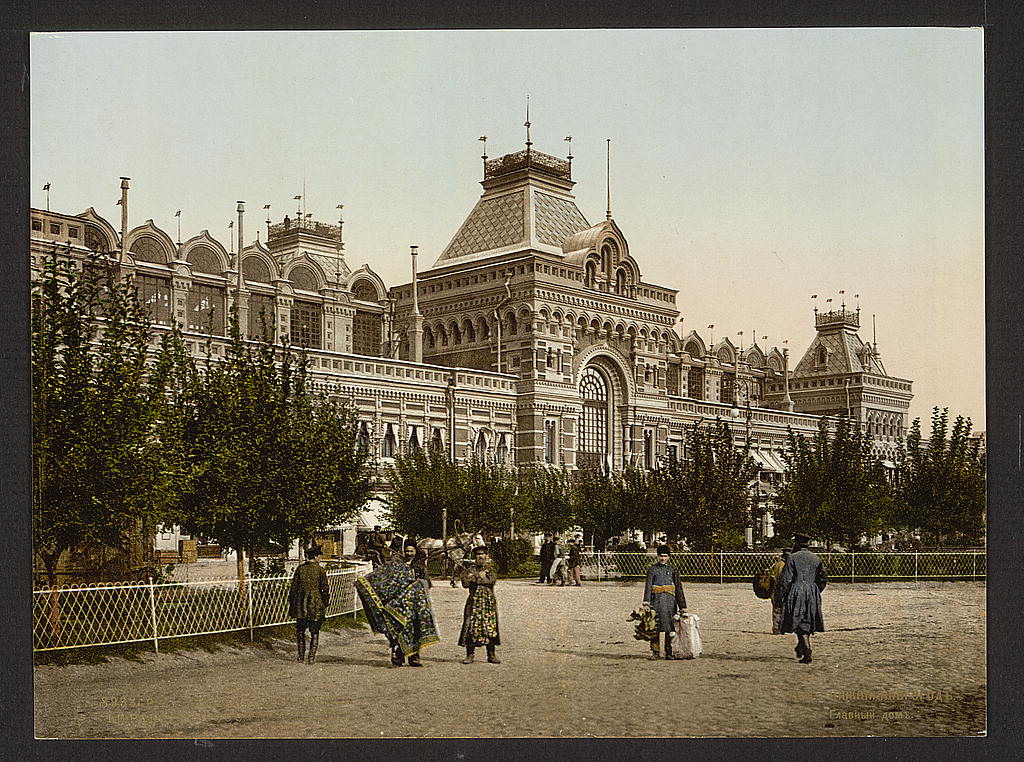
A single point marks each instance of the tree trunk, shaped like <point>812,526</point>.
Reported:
<point>240,554</point>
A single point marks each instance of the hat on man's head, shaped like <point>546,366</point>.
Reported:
<point>664,550</point>
<point>409,543</point>
<point>479,549</point>
<point>376,528</point>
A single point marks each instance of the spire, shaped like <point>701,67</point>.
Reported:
<point>526,124</point>
<point>483,139</point>
<point>608,179</point>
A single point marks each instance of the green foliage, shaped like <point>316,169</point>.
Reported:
<point>941,482</point>
<point>271,460</point>
<point>424,483</point>
<point>510,553</point>
<point>706,497</point>
<point>598,507</point>
<point>835,489</point>
<point>545,499</point>
<point>99,470</point>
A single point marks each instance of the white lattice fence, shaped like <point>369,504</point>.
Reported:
<point>733,566</point>
<point>77,616</point>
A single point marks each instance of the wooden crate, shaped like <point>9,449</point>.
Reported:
<point>187,551</point>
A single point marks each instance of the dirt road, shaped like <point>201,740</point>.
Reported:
<point>899,659</point>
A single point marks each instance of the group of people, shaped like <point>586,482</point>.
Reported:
<point>560,563</point>
<point>797,581</point>
<point>397,603</point>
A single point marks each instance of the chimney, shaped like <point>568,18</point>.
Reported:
<point>124,215</point>
<point>416,331</point>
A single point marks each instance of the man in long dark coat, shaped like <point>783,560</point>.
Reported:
<point>308,599</point>
<point>547,555</point>
<point>776,574</point>
<point>663,592</point>
<point>800,585</point>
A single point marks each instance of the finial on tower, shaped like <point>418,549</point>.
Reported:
<point>526,124</point>
<point>608,178</point>
<point>341,226</point>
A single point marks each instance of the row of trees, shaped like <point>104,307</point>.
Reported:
<point>835,489</point>
<point>705,498</point>
<point>237,449</point>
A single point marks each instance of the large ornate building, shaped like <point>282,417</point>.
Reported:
<point>532,338</point>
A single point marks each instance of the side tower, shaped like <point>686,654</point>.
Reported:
<point>841,375</point>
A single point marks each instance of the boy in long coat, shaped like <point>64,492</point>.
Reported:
<point>308,599</point>
<point>663,592</point>
<point>800,585</point>
<point>480,616</point>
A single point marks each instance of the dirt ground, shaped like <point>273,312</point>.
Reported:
<point>898,659</point>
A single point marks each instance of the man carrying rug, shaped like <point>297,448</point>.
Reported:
<point>397,605</point>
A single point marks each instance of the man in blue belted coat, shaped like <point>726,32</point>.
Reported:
<point>664,593</point>
<point>800,585</point>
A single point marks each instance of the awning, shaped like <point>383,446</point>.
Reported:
<point>775,458</point>
<point>888,464</point>
<point>768,460</point>
<point>370,515</point>
<point>762,461</point>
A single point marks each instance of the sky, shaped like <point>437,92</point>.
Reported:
<point>750,168</point>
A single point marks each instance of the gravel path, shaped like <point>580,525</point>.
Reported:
<point>899,659</point>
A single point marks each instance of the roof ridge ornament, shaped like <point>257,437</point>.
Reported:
<point>608,178</point>
<point>526,124</point>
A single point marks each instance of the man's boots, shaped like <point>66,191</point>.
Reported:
<point>300,638</point>
<point>668,645</point>
<point>314,641</point>
<point>491,656</point>
<point>655,650</point>
<point>397,657</point>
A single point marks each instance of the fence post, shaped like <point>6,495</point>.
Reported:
<point>853,557</point>
<point>721,566</point>
<point>974,567</point>
<point>248,600</point>
<point>915,565</point>
<point>152,611</point>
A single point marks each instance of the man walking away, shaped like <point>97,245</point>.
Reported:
<point>308,599</point>
<point>547,555</point>
<point>663,592</point>
<point>800,585</point>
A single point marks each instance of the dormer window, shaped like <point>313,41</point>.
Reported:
<point>590,278</point>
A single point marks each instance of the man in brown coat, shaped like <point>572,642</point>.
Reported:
<point>308,599</point>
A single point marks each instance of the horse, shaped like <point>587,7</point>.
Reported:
<point>454,549</point>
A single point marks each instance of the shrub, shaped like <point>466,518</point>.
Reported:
<point>511,553</point>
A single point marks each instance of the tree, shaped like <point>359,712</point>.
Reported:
<point>707,494</point>
<point>545,499</point>
<point>99,470</point>
<point>835,489</point>
<point>424,483</point>
<point>271,461</point>
<point>941,482</point>
<point>597,505</point>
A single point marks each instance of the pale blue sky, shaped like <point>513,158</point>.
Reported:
<point>750,168</point>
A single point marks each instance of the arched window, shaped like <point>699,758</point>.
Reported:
<point>501,454</point>
<point>437,440</point>
<point>480,448</point>
<point>303,278</point>
<point>414,440</point>
<point>620,282</point>
<point>255,269</point>
<point>594,443</point>
<point>822,356</point>
<point>590,277</point>
<point>387,447</point>
<point>204,260</point>
<point>148,249</point>
<point>365,291</point>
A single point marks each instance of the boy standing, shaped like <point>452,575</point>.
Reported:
<point>663,592</point>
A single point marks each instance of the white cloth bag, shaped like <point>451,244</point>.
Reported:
<point>688,644</point>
